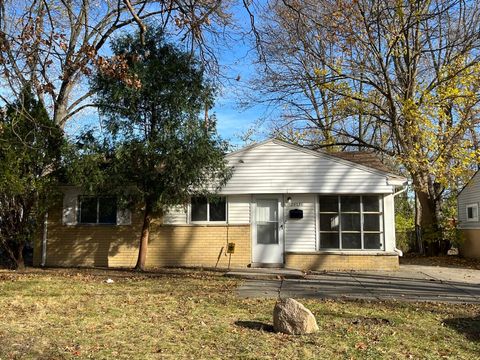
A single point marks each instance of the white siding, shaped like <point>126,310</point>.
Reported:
<point>70,205</point>
<point>239,209</point>
<point>70,208</point>
<point>274,168</point>
<point>124,217</point>
<point>176,215</point>
<point>469,195</point>
<point>300,234</point>
<point>389,222</point>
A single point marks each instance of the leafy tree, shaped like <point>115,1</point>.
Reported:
<point>30,156</point>
<point>399,77</point>
<point>405,222</point>
<point>156,145</point>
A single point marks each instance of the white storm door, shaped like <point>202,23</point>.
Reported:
<point>268,231</point>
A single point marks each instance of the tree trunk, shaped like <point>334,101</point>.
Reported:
<point>19,260</point>
<point>430,228</point>
<point>142,251</point>
<point>418,228</point>
<point>60,113</point>
<point>428,219</point>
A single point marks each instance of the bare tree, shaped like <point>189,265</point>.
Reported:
<point>53,44</point>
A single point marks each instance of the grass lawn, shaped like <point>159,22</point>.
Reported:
<point>453,261</point>
<point>57,314</point>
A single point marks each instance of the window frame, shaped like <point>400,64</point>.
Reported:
<point>474,206</point>
<point>361,212</point>
<point>98,198</point>
<point>207,221</point>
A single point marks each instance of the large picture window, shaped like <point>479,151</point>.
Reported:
<point>351,222</point>
<point>209,210</point>
<point>97,210</point>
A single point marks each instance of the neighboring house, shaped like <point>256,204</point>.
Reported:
<point>284,206</point>
<point>468,201</point>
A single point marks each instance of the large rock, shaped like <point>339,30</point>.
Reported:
<point>291,317</point>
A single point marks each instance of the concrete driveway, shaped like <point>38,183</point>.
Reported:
<point>410,283</point>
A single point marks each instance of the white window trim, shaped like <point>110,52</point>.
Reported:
<point>474,206</point>
<point>208,222</point>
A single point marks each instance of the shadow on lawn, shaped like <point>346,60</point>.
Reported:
<point>255,325</point>
<point>470,327</point>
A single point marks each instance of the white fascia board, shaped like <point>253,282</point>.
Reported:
<point>397,181</point>
<point>249,147</point>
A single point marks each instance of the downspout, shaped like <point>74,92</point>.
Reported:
<point>398,251</point>
<point>401,191</point>
<point>44,240</point>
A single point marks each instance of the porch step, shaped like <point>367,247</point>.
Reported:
<point>265,273</point>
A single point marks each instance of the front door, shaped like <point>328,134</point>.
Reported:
<point>268,230</point>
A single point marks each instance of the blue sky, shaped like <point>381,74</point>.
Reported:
<point>236,58</point>
<point>233,119</point>
<point>237,67</point>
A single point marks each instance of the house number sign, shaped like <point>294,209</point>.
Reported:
<point>295,204</point>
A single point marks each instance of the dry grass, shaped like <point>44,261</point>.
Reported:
<point>60,314</point>
<point>453,261</point>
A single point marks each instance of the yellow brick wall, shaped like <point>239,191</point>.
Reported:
<point>117,246</point>
<point>177,245</point>
<point>318,261</point>
<point>470,245</point>
<point>199,245</point>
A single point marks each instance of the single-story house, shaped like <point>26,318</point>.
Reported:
<point>468,220</point>
<point>284,206</point>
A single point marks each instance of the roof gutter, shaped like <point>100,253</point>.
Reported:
<point>405,188</point>
<point>401,191</point>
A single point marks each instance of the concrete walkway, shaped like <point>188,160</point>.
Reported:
<point>410,283</point>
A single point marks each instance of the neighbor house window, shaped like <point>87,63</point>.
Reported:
<point>208,209</point>
<point>351,222</point>
<point>472,212</point>
<point>97,210</point>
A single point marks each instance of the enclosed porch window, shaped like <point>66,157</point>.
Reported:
<point>351,222</point>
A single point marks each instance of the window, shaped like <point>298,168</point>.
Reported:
<point>472,212</point>
<point>351,222</point>
<point>211,209</point>
<point>97,210</point>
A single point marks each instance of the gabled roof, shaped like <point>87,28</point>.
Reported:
<point>468,182</point>
<point>367,158</point>
<point>366,161</point>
